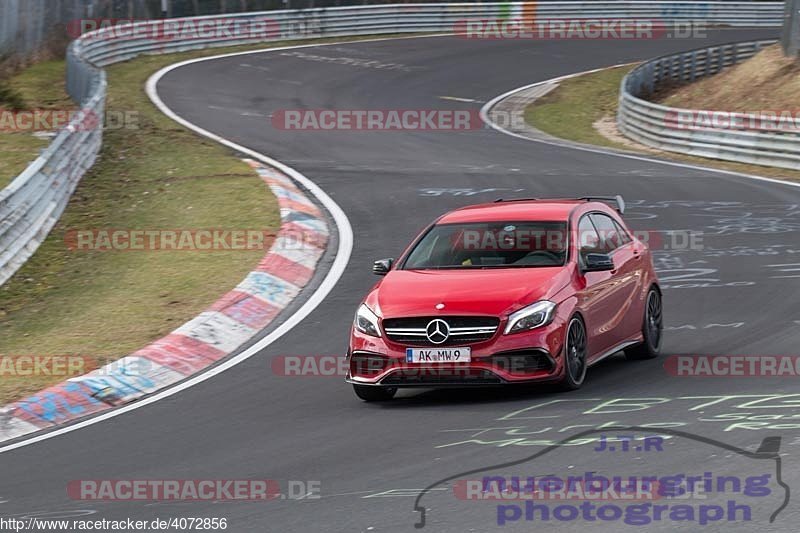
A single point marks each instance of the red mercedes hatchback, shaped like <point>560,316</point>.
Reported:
<point>516,291</point>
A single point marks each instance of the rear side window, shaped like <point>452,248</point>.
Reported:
<point>623,234</point>
<point>610,239</point>
<point>588,239</point>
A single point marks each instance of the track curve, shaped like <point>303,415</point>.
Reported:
<point>250,423</point>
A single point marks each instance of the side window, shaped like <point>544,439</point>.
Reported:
<point>588,240</point>
<point>422,255</point>
<point>610,238</point>
<point>623,234</point>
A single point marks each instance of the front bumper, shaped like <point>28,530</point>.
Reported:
<point>533,356</point>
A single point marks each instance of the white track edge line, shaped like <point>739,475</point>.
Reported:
<point>340,219</point>
<point>338,267</point>
<point>484,114</point>
<point>345,248</point>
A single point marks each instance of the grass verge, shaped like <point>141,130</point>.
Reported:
<point>39,87</point>
<point>583,109</point>
<point>577,103</point>
<point>104,305</point>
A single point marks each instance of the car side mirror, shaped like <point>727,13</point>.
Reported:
<point>598,263</point>
<point>382,267</point>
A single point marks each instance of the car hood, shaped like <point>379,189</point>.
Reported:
<point>475,291</point>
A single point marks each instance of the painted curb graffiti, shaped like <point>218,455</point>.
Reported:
<point>233,320</point>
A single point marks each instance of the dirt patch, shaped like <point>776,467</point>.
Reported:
<point>607,127</point>
<point>767,81</point>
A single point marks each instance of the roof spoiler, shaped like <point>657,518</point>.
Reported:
<point>617,200</point>
<point>620,203</point>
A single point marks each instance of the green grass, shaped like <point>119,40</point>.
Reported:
<point>40,87</point>
<point>105,305</point>
<point>17,151</point>
<point>571,110</point>
<point>576,104</point>
<point>10,98</point>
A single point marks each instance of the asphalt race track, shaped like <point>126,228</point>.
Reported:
<point>372,460</point>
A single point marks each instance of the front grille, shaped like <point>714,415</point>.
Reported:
<point>463,329</point>
<point>523,361</point>
<point>436,376</point>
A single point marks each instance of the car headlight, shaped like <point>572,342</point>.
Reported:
<point>531,317</point>
<point>367,322</point>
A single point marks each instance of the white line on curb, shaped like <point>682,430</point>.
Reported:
<point>345,248</point>
<point>344,230</point>
<point>340,219</point>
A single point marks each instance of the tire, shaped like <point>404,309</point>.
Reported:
<point>574,355</point>
<point>652,329</point>
<point>371,393</point>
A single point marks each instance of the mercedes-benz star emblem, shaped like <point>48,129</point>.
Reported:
<point>437,331</point>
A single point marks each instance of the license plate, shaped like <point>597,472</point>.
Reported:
<point>438,355</point>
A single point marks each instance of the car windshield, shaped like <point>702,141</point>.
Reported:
<point>490,245</point>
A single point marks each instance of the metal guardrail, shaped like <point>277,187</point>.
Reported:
<point>740,137</point>
<point>31,28</point>
<point>33,202</point>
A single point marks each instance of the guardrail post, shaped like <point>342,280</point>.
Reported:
<point>720,61</point>
<point>674,68</point>
<point>790,37</point>
<point>686,62</point>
